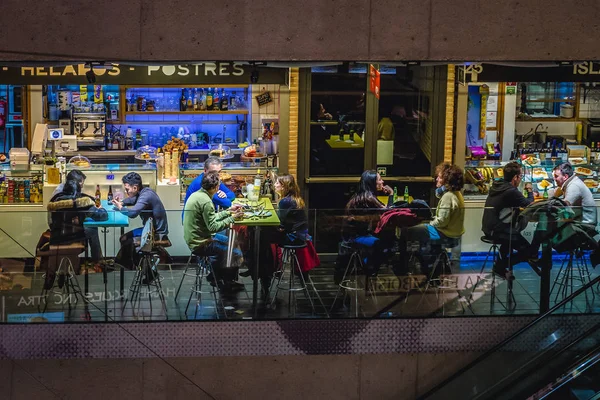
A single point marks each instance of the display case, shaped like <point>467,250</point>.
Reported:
<point>109,176</point>
<point>479,176</point>
<point>234,175</point>
<point>21,186</point>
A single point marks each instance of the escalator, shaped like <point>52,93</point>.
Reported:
<point>541,360</point>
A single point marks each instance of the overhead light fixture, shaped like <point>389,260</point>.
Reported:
<point>91,75</point>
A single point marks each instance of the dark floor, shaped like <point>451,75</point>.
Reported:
<point>388,295</point>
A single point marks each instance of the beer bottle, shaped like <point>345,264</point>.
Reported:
<point>406,195</point>
<point>109,197</point>
<point>97,197</point>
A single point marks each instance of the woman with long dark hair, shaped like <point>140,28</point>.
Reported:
<point>362,214</point>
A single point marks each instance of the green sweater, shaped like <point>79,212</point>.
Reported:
<point>201,221</point>
<point>450,215</point>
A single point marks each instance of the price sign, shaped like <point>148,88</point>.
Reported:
<point>264,98</point>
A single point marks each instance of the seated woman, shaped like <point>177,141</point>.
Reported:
<point>293,229</point>
<point>362,214</point>
<point>68,210</point>
<point>448,222</point>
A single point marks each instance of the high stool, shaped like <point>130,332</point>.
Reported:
<point>289,256</point>
<point>202,268</point>
<point>572,276</point>
<point>146,280</point>
<point>349,282</point>
<point>67,283</point>
<point>440,269</point>
<point>494,253</point>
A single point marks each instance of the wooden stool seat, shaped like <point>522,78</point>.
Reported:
<point>63,249</point>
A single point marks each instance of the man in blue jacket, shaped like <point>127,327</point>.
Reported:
<point>223,197</point>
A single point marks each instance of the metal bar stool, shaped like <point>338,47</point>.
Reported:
<point>572,276</point>
<point>202,268</point>
<point>146,280</point>
<point>441,268</point>
<point>67,283</point>
<point>349,282</point>
<point>494,251</point>
<point>289,257</point>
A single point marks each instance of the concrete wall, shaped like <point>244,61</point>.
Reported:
<point>344,377</point>
<point>293,30</point>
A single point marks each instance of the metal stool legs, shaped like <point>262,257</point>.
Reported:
<point>349,281</point>
<point>202,268</point>
<point>289,257</point>
<point>442,261</point>
<point>576,270</point>
<point>138,287</point>
<point>69,286</point>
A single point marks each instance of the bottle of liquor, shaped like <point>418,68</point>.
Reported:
<point>108,142</point>
<point>406,195</point>
<point>209,99</point>
<point>202,100</point>
<point>224,101</point>
<point>554,153</point>
<point>232,102</point>
<point>216,99</point>
<point>182,101</point>
<point>97,197</point>
<point>196,100</point>
<point>190,101</point>
<point>109,197</point>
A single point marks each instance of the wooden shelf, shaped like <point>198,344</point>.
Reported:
<point>184,112</point>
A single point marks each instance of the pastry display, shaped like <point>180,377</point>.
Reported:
<point>531,160</point>
<point>539,173</point>
<point>80,161</point>
<point>224,176</point>
<point>146,153</point>
<point>576,161</point>
<point>475,177</point>
<point>175,145</point>
<point>544,184</point>
<point>590,183</point>
<point>220,151</point>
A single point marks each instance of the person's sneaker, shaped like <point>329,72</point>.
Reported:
<point>245,274</point>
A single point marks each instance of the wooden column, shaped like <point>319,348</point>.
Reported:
<point>293,126</point>
<point>449,126</point>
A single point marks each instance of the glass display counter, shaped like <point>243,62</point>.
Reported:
<point>21,186</point>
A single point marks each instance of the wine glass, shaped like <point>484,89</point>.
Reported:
<point>245,192</point>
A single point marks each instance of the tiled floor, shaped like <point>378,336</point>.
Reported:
<point>387,296</point>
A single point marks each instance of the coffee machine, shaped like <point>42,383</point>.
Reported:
<point>89,128</point>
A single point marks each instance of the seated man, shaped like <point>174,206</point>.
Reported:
<point>499,217</point>
<point>90,233</point>
<point>223,197</point>
<point>143,202</point>
<point>201,227</point>
<point>576,194</point>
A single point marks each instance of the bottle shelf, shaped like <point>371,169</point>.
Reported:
<point>184,112</point>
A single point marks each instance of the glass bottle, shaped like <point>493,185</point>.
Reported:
<point>216,99</point>
<point>182,101</point>
<point>224,101</point>
<point>97,196</point>
<point>209,99</point>
<point>109,197</point>
<point>406,195</point>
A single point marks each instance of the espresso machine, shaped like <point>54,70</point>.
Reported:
<point>89,128</point>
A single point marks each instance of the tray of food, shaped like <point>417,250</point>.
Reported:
<point>583,171</point>
<point>577,161</point>
<point>224,176</point>
<point>545,184</point>
<point>3,159</point>
<point>538,174</point>
<point>175,144</point>
<point>531,160</point>
<point>253,152</point>
<point>591,184</point>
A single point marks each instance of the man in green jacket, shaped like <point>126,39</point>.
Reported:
<point>203,226</point>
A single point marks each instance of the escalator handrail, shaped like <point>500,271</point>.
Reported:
<point>491,351</point>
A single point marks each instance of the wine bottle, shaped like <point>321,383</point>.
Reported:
<point>182,101</point>
<point>554,153</point>
<point>209,99</point>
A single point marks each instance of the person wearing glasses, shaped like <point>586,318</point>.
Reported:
<point>499,219</point>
